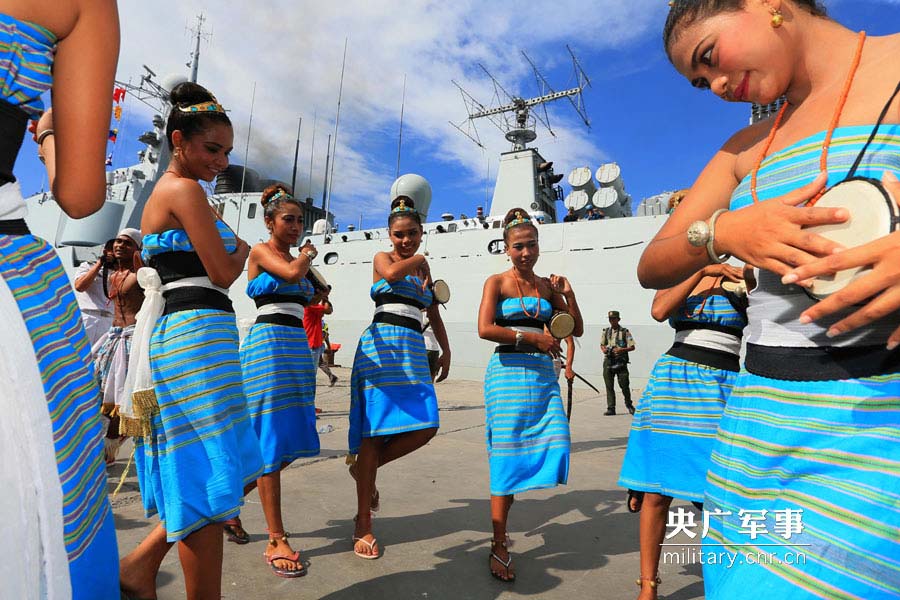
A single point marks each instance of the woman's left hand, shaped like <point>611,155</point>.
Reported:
<point>560,284</point>
<point>881,286</point>
<point>443,366</point>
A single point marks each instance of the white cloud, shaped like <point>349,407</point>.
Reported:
<point>292,50</point>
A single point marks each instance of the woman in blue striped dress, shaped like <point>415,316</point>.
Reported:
<point>279,374</point>
<point>806,466</point>
<point>59,537</point>
<point>675,425</point>
<point>200,450</point>
<point>527,431</point>
<point>393,407</point>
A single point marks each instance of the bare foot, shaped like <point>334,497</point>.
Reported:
<point>137,582</point>
<point>364,542</point>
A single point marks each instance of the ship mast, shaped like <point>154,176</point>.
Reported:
<point>195,57</point>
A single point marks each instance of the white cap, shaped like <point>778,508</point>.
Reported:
<point>134,234</point>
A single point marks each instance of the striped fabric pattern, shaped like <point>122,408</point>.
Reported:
<point>36,278</point>
<point>674,427</point>
<point>527,432</point>
<point>26,61</point>
<point>390,386</point>
<point>280,381</point>
<point>830,449</point>
<point>203,451</point>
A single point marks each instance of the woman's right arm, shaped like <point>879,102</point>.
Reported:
<point>269,261</point>
<point>83,73</point>
<point>192,211</point>
<point>768,234</point>
<point>393,271</point>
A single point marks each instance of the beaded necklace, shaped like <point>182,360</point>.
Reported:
<point>537,310</point>
<point>823,159</point>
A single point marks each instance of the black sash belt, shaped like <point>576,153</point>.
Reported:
<point>830,363</point>
<point>717,359</point>
<point>389,298</point>
<point>536,323</point>
<point>13,122</point>
<point>273,298</point>
<point>280,319</point>
<point>194,298</point>
<point>173,266</point>
<point>522,349</point>
<point>14,227</point>
<point>392,319</point>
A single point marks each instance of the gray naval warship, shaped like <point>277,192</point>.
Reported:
<point>598,256</point>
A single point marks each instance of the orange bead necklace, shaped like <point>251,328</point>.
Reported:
<point>823,159</point>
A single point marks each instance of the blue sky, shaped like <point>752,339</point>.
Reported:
<point>643,114</point>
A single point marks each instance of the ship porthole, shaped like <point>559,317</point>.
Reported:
<point>496,247</point>
<point>331,258</point>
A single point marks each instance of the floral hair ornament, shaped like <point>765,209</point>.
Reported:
<point>279,194</point>
<point>519,220</point>
<point>209,106</point>
<point>402,207</point>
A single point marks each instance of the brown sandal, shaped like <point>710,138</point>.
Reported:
<point>235,531</point>
<point>510,577</point>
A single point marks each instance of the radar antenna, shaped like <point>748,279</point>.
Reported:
<point>152,93</point>
<point>521,130</point>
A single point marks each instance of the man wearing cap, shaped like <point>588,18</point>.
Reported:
<point>113,348</point>
<point>615,343</point>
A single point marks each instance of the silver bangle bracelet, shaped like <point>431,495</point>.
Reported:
<point>44,135</point>
<point>713,257</point>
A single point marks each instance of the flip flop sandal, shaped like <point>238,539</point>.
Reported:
<point>300,571</point>
<point>235,532</point>
<point>506,563</point>
<point>371,546</point>
<point>638,497</point>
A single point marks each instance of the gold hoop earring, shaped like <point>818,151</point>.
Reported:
<point>777,18</point>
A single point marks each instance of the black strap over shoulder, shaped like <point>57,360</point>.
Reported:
<point>13,123</point>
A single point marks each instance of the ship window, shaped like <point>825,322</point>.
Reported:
<point>251,211</point>
<point>497,224</point>
<point>451,227</point>
<point>331,258</point>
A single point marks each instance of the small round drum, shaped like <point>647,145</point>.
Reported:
<point>873,214</point>
<point>316,279</point>
<point>737,288</point>
<point>561,326</point>
<point>441,291</point>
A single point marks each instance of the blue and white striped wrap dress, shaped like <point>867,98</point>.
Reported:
<point>52,437</point>
<point>526,428</point>
<point>674,427</point>
<point>391,390</point>
<point>806,429</point>
<point>202,452</point>
<point>279,374</point>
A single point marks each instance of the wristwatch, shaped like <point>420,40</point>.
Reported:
<point>520,339</point>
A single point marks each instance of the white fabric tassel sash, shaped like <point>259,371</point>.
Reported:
<point>139,399</point>
<point>292,309</point>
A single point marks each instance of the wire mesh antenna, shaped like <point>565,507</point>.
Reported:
<point>513,115</point>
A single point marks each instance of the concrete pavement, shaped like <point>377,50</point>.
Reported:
<point>574,541</point>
